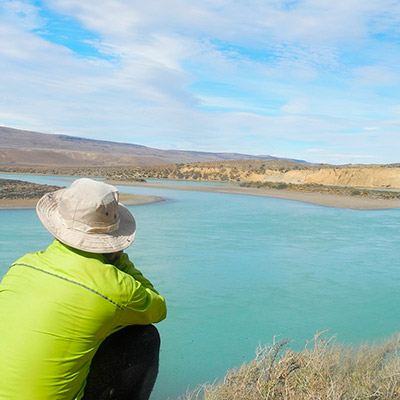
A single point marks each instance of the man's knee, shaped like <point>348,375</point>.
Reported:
<point>139,342</point>
<point>149,341</point>
<point>128,358</point>
<point>151,336</point>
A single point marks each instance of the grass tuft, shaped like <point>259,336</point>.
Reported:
<point>324,370</point>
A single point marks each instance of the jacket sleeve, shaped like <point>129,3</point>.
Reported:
<point>146,305</point>
<point>126,265</point>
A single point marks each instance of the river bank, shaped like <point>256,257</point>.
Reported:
<point>125,199</point>
<point>322,199</point>
<point>19,199</point>
<point>17,194</point>
<point>264,268</point>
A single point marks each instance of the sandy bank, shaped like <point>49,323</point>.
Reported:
<point>126,199</point>
<point>137,199</point>
<point>327,200</point>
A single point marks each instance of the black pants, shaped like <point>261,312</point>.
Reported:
<point>125,366</point>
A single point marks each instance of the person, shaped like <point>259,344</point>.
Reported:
<point>76,319</point>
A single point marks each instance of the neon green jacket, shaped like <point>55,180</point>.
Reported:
<point>56,307</point>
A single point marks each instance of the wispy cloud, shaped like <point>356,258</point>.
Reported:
<point>224,75</point>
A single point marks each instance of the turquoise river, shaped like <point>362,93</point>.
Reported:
<point>238,270</point>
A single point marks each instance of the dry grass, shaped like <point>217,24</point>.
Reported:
<point>324,370</point>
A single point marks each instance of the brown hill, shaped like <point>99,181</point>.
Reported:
<point>33,152</point>
<point>27,148</point>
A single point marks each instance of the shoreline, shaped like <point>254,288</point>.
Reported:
<point>321,199</point>
<point>125,199</point>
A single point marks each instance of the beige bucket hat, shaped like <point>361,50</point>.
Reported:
<point>88,217</point>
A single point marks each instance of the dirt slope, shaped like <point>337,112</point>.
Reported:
<point>23,148</point>
<point>374,176</point>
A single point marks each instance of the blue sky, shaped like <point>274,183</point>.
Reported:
<point>317,80</point>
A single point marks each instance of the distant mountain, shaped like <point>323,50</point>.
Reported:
<point>27,148</point>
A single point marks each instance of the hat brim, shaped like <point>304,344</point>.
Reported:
<point>110,242</point>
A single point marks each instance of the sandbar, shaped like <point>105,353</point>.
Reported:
<point>322,199</point>
<point>126,199</point>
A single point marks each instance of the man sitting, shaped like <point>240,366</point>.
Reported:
<point>75,319</point>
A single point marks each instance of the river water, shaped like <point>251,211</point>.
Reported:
<point>237,270</point>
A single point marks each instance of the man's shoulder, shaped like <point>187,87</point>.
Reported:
<point>64,266</point>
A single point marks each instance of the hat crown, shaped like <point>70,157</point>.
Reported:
<point>87,216</point>
<point>90,206</point>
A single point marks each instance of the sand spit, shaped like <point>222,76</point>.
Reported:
<point>137,199</point>
<point>322,199</point>
<point>15,193</point>
<point>126,199</point>
<point>17,203</point>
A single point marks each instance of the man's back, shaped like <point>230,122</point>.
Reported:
<point>56,307</point>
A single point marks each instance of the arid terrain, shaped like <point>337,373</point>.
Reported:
<point>363,176</point>
<point>18,147</point>
<point>33,152</point>
<point>274,171</point>
<point>28,152</point>
<point>11,189</point>
<point>357,187</point>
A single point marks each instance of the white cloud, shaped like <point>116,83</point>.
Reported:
<point>328,155</point>
<point>282,73</point>
<point>395,110</point>
<point>258,21</point>
<point>21,14</point>
<point>296,106</point>
<point>376,75</point>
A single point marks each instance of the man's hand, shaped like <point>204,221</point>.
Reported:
<point>111,258</point>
